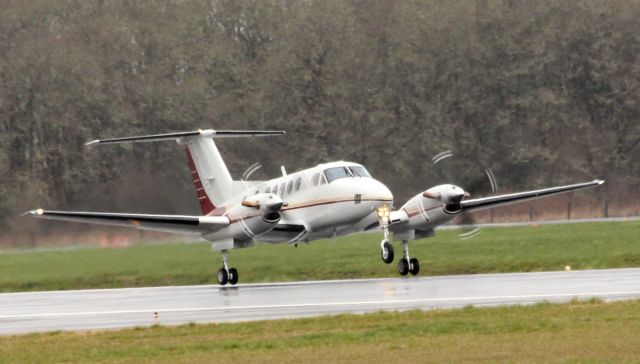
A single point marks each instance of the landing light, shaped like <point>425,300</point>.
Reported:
<point>383,211</point>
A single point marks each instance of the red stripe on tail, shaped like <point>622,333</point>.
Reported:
<point>205,204</point>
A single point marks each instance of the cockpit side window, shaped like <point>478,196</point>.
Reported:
<point>359,171</point>
<point>315,179</point>
<point>335,173</point>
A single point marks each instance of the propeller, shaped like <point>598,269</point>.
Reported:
<point>473,179</point>
<point>250,170</point>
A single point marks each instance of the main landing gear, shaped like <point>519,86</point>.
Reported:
<point>408,265</point>
<point>226,274</point>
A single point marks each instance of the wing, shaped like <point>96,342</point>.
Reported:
<point>502,200</point>
<point>181,224</point>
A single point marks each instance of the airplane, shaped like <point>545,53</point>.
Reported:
<point>329,200</point>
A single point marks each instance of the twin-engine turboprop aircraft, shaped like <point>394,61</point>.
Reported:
<point>328,200</point>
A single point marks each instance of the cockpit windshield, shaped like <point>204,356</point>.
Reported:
<point>343,172</point>
<point>359,171</point>
<point>336,172</point>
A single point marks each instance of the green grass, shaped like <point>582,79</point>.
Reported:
<point>550,247</point>
<point>590,331</point>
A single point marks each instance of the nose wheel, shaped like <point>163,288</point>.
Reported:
<point>386,249</point>
<point>226,274</point>
<point>386,252</point>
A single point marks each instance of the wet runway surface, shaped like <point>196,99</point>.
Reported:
<point>117,308</point>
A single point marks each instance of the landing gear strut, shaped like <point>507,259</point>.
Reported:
<point>406,264</point>
<point>386,249</point>
<point>226,274</point>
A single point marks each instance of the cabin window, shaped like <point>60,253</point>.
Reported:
<point>335,173</point>
<point>290,187</point>
<point>268,190</point>
<point>359,171</point>
<point>282,187</point>
<point>275,190</point>
<point>315,179</point>
<point>298,183</point>
<point>323,180</point>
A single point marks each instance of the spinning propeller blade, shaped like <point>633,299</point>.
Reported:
<point>478,180</point>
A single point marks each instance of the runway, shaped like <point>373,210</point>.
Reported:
<point>118,308</point>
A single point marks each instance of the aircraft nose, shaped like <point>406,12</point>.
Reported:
<point>376,190</point>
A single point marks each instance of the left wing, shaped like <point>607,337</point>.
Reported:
<point>502,200</point>
<point>181,224</point>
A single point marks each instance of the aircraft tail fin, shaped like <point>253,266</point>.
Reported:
<point>211,178</point>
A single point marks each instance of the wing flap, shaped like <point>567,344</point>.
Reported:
<point>181,224</point>
<point>502,200</point>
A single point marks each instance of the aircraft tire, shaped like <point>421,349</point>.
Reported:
<point>403,267</point>
<point>223,276</point>
<point>388,257</point>
<point>233,276</point>
<point>414,266</point>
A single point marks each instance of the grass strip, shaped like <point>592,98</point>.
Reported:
<point>579,331</point>
<point>515,249</point>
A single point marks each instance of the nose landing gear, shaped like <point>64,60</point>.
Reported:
<point>386,249</point>
<point>226,274</point>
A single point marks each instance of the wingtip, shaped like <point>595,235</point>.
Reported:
<point>92,142</point>
<point>599,181</point>
<point>36,212</point>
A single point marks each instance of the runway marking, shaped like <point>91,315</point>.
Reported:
<point>309,305</point>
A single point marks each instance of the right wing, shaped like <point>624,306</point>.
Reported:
<point>502,200</point>
<point>181,224</point>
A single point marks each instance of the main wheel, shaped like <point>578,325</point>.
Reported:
<point>414,266</point>
<point>403,267</point>
<point>223,276</point>
<point>387,252</point>
<point>233,276</point>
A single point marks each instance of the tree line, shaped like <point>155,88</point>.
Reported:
<point>541,92</point>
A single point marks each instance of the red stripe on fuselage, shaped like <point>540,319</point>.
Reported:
<point>311,204</point>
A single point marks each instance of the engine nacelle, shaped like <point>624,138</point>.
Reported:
<point>449,195</point>
<point>256,215</point>
<point>430,208</point>
<point>268,204</point>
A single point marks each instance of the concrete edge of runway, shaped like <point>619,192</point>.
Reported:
<point>315,282</point>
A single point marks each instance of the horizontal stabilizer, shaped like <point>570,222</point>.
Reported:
<point>209,133</point>
<point>502,200</point>
<point>182,224</point>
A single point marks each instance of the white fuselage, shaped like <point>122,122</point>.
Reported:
<point>322,206</point>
